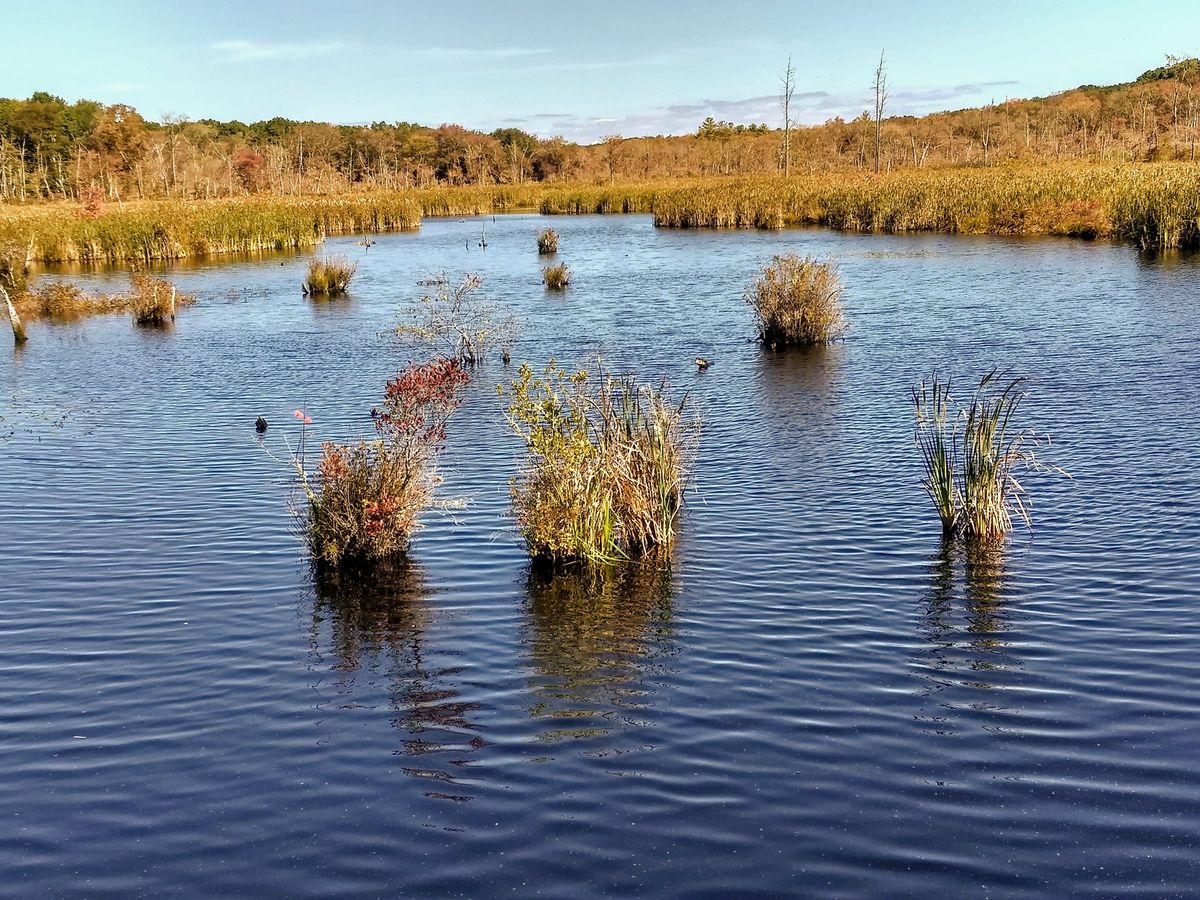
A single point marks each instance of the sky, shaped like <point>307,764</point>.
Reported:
<point>574,69</point>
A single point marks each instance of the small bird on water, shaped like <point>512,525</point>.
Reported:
<point>260,424</point>
<point>702,363</point>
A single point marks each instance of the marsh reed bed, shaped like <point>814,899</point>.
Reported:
<point>150,300</point>
<point>1156,205</point>
<point>142,232</point>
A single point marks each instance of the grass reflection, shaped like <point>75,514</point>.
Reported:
<point>964,628</point>
<point>369,624</point>
<point>596,638</point>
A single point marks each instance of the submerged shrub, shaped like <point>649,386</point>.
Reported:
<point>606,467</point>
<point>329,277</point>
<point>797,301</point>
<point>154,300</point>
<point>365,499</point>
<point>548,242</point>
<point>970,456</point>
<point>456,321</point>
<point>556,278</point>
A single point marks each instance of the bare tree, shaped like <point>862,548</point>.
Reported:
<point>881,97</point>
<point>788,87</point>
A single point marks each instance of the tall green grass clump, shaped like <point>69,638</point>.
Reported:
<point>797,301</point>
<point>329,277</point>
<point>364,500</point>
<point>556,278</point>
<point>547,242</point>
<point>607,463</point>
<point>970,456</point>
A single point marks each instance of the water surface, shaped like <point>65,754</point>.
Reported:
<point>817,697</point>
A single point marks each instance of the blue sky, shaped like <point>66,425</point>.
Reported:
<point>580,70</point>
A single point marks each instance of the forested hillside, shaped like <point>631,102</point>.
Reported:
<point>53,149</point>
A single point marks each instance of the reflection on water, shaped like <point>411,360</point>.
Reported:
<point>367,624</point>
<point>963,628</point>
<point>596,639</point>
<point>800,387</point>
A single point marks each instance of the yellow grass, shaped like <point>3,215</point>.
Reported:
<point>1156,205</point>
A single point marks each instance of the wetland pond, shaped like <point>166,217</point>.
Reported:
<point>816,698</point>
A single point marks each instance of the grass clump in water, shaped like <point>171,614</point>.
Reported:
<point>556,278</point>
<point>971,455</point>
<point>547,242</point>
<point>329,277</point>
<point>797,302</point>
<point>607,463</point>
<point>365,499</point>
<point>154,301</point>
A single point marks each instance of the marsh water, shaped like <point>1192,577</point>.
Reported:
<point>816,696</point>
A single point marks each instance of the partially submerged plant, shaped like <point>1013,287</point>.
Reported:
<point>547,242</point>
<point>329,277</point>
<point>556,278</point>
<point>797,301</point>
<point>970,456</point>
<point>365,499</point>
<point>456,321</point>
<point>607,463</point>
<point>154,300</point>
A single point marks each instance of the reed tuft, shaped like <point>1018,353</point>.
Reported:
<point>797,301</point>
<point>607,463</point>
<point>971,455</point>
<point>329,277</point>
<point>556,278</point>
<point>547,242</point>
<point>154,301</point>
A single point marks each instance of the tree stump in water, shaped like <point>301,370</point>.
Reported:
<point>14,319</point>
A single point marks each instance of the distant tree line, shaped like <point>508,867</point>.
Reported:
<point>53,149</point>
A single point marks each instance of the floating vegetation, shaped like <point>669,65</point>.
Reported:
<point>457,321</point>
<point>556,278</point>
<point>547,242</point>
<point>364,500</point>
<point>797,301</point>
<point>971,455</point>
<point>607,463</point>
<point>329,277</point>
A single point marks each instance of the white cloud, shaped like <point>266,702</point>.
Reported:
<point>252,51</point>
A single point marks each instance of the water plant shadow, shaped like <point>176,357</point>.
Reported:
<point>369,628</point>
<point>965,621</point>
<point>598,638</point>
<point>800,391</point>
